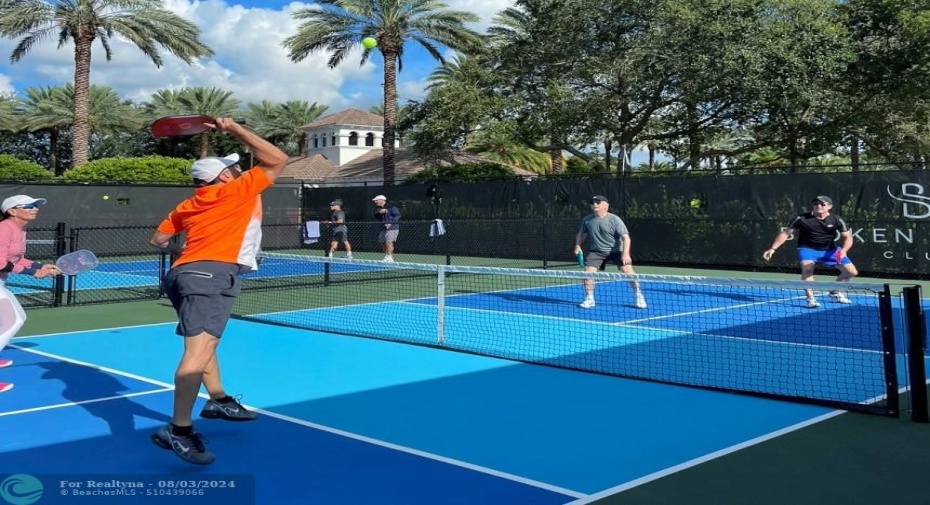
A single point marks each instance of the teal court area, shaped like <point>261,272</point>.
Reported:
<point>352,420</point>
<point>400,419</point>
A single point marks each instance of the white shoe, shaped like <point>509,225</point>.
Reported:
<point>812,303</point>
<point>588,303</point>
<point>839,297</point>
<point>640,301</point>
<point>349,256</point>
<point>388,259</point>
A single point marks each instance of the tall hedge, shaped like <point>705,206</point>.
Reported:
<point>149,169</point>
<point>15,169</point>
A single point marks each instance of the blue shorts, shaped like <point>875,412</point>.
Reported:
<point>827,257</point>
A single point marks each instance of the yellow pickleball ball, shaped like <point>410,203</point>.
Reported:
<point>369,42</point>
<point>106,197</point>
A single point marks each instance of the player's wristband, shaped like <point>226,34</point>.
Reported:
<point>30,270</point>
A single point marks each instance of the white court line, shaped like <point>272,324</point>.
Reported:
<point>703,459</point>
<point>760,340</point>
<point>442,459</point>
<point>90,331</point>
<point>334,431</point>
<point>718,454</point>
<point>622,324</point>
<point>95,367</point>
<point>84,402</point>
<point>704,311</point>
<point>530,316</point>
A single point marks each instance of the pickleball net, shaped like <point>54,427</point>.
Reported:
<point>742,335</point>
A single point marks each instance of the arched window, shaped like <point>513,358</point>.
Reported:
<point>353,138</point>
<point>323,138</point>
<point>333,138</point>
<point>316,142</point>
<point>370,140</point>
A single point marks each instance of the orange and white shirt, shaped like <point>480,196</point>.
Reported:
<point>222,222</point>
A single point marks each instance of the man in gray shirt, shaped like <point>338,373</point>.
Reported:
<point>340,230</point>
<point>608,241</point>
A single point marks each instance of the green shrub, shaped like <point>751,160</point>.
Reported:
<point>465,172</point>
<point>141,170</point>
<point>576,165</point>
<point>15,169</point>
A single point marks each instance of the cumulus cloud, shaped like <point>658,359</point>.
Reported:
<point>248,61</point>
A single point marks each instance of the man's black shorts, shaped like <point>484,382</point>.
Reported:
<point>203,294</point>
<point>600,260</point>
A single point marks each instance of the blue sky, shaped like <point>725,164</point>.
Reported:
<point>249,60</point>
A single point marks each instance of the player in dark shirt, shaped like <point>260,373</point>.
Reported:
<point>817,233</point>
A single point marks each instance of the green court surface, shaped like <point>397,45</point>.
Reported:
<point>845,459</point>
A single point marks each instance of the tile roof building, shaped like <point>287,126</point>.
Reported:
<point>345,149</point>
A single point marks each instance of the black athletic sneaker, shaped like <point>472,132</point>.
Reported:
<point>189,448</point>
<point>230,411</point>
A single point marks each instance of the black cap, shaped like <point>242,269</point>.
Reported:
<point>597,198</point>
<point>823,199</point>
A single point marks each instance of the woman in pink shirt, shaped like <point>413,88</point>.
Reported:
<point>18,211</point>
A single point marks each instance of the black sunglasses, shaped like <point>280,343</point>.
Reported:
<point>27,206</point>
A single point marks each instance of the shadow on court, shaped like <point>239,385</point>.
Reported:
<point>514,296</point>
<point>289,463</point>
<point>82,383</point>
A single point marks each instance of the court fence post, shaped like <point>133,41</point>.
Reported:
<point>61,248</point>
<point>916,323</point>
<point>542,235</point>
<point>72,246</point>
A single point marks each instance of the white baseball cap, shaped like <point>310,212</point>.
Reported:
<point>17,200</point>
<point>379,197</point>
<point>207,169</point>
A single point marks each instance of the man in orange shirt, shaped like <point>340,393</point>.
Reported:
<point>222,224</point>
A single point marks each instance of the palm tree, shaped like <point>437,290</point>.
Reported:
<point>8,118</point>
<point>502,149</point>
<point>145,23</point>
<point>339,25</point>
<point>50,110</point>
<point>211,102</point>
<point>510,34</point>
<point>42,111</point>
<point>280,122</point>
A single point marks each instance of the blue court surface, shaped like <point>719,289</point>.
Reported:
<point>139,273</point>
<point>350,420</point>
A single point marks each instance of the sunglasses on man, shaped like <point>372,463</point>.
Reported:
<point>27,206</point>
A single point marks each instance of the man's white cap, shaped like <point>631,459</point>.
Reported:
<point>207,169</point>
<point>379,197</point>
<point>17,200</point>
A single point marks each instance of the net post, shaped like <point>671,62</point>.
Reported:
<point>162,272</point>
<point>888,352</point>
<point>545,262</point>
<point>72,246</point>
<point>61,248</point>
<point>326,264</point>
<point>441,304</point>
<point>916,349</point>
